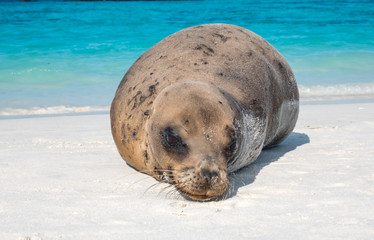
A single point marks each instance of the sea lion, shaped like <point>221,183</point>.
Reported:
<point>203,103</point>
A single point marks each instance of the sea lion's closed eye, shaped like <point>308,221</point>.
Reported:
<point>170,138</point>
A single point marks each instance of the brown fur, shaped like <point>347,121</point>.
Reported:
<point>225,69</point>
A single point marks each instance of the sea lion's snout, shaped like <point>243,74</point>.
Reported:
<point>208,180</point>
<point>209,170</point>
<point>209,175</point>
<point>205,184</point>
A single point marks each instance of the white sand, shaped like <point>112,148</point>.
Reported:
<point>62,178</point>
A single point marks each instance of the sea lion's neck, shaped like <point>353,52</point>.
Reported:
<point>252,131</point>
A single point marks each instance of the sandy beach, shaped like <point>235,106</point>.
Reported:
<point>62,178</point>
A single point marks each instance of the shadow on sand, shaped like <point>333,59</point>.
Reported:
<point>247,175</point>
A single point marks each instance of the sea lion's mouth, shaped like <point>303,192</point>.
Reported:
<point>198,197</point>
<point>197,186</point>
<point>201,197</point>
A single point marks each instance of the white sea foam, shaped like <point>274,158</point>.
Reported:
<point>337,91</point>
<point>50,110</point>
<point>307,93</point>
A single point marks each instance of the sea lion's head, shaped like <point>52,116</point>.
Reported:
<point>192,137</point>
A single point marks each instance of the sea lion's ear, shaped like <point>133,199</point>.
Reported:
<point>231,147</point>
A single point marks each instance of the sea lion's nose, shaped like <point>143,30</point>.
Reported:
<point>209,169</point>
<point>209,174</point>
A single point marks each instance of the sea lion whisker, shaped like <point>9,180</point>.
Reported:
<point>164,189</point>
<point>172,193</point>
<point>138,181</point>
<point>152,186</point>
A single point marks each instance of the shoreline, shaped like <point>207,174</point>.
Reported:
<point>35,112</point>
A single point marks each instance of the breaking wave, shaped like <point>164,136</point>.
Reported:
<point>51,110</point>
<point>307,93</point>
<point>337,91</point>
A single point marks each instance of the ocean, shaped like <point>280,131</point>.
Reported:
<point>69,56</point>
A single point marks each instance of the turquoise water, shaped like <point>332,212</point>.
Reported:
<point>58,56</point>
